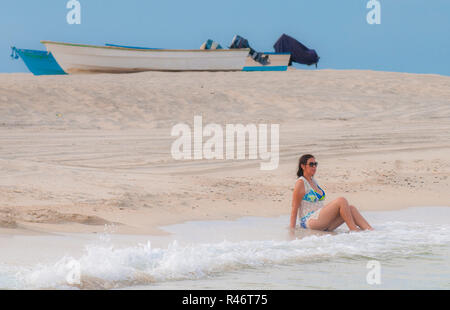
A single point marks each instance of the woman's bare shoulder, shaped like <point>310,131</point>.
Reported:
<point>299,184</point>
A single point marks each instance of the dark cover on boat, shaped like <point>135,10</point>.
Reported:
<point>299,53</point>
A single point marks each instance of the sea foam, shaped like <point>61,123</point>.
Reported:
<point>104,266</point>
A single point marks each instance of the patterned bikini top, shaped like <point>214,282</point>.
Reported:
<point>312,201</point>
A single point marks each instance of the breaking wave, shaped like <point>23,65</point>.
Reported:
<point>103,266</point>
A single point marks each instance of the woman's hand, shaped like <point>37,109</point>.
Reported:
<point>292,233</point>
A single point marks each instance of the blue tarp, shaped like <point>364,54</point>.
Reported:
<point>299,53</point>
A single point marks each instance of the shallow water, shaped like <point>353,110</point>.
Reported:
<point>411,247</point>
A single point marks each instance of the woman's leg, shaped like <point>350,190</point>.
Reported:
<point>338,221</point>
<point>359,219</point>
<point>329,213</point>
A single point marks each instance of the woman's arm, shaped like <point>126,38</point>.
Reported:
<point>297,196</point>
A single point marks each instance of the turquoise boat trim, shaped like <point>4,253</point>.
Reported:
<point>265,68</point>
<point>38,62</point>
<point>133,47</point>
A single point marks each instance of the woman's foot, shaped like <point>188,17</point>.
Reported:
<point>356,229</point>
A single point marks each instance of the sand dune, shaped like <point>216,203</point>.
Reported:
<point>80,152</point>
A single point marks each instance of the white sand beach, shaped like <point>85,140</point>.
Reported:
<point>78,152</point>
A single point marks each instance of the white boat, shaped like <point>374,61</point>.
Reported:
<point>81,58</point>
<point>276,62</point>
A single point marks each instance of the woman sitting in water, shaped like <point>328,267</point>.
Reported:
<point>309,197</point>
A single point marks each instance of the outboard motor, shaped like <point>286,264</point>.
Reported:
<point>240,42</point>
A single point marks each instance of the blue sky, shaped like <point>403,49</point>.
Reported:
<point>414,35</point>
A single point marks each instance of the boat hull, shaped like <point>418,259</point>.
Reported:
<point>77,58</point>
<point>39,62</point>
<point>277,62</point>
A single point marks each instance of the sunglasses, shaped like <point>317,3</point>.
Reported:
<point>313,164</point>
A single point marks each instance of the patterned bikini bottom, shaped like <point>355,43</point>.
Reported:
<point>312,214</point>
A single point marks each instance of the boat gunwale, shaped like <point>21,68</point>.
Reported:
<point>144,50</point>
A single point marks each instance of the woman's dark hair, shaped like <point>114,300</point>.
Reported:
<point>302,161</point>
